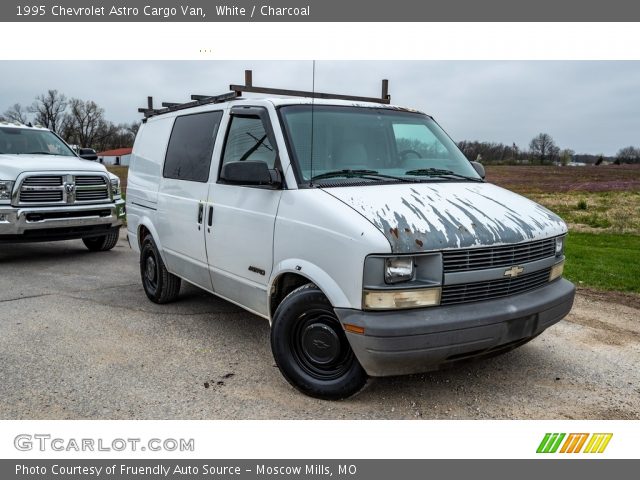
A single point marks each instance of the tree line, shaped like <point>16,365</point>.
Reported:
<point>79,122</point>
<point>542,150</point>
<point>82,123</point>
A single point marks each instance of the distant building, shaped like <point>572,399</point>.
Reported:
<point>119,156</point>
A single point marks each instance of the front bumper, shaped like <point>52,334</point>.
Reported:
<point>19,224</point>
<point>414,341</point>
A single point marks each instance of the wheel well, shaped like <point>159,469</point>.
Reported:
<point>283,286</point>
<point>142,233</point>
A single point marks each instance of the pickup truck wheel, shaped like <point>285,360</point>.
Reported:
<point>159,285</point>
<point>104,242</point>
<point>311,348</point>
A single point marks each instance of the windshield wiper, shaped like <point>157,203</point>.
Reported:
<point>40,153</point>
<point>348,173</point>
<point>438,172</point>
<point>256,146</point>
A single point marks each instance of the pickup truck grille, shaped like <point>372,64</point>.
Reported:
<point>90,188</point>
<point>64,189</point>
<point>502,256</point>
<point>43,181</point>
<point>487,290</point>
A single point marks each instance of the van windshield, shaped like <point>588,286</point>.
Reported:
<point>26,141</point>
<point>372,145</point>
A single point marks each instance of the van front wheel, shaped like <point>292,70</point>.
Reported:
<point>311,348</point>
<point>159,285</point>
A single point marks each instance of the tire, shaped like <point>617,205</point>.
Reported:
<point>159,285</point>
<point>104,242</point>
<point>311,349</point>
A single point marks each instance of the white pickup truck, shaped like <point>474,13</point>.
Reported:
<point>47,192</point>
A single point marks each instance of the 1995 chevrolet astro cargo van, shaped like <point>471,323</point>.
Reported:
<point>358,229</point>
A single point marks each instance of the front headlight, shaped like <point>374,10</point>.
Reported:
<point>556,271</point>
<point>559,246</point>
<point>115,187</point>
<point>6,187</point>
<point>398,269</point>
<point>398,299</point>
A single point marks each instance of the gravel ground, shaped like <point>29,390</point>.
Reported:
<point>79,340</point>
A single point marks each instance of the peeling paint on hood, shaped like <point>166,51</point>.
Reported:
<point>434,216</point>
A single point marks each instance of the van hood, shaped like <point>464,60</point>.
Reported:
<point>434,216</point>
<point>13,165</point>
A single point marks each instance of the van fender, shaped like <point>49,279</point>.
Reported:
<point>316,275</point>
<point>145,221</point>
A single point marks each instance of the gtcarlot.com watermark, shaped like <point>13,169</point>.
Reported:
<point>44,442</point>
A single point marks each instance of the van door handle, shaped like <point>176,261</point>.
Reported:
<point>200,213</point>
<point>210,219</point>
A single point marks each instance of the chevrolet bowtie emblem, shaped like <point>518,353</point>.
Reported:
<point>513,271</point>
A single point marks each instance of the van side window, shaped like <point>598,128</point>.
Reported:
<point>248,140</point>
<point>191,146</point>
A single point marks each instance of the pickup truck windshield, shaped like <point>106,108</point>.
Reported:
<point>26,141</point>
<point>371,144</point>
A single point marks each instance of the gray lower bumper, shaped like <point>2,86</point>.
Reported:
<point>413,341</point>
<point>73,221</point>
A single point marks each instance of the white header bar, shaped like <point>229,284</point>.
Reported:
<point>320,41</point>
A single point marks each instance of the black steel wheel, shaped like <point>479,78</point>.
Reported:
<point>311,348</point>
<point>159,285</point>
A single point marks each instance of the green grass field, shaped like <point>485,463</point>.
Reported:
<point>603,261</point>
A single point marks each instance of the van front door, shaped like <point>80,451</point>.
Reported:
<point>240,218</point>
<point>183,195</point>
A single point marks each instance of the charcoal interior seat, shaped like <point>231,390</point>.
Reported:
<point>351,155</point>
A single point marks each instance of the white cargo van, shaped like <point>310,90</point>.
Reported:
<point>356,228</point>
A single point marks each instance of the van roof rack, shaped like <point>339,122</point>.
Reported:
<point>236,91</point>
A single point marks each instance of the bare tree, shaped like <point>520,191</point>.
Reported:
<point>628,154</point>
<point>49,109</point>
<point>544,148</point>
<point>85,122</point>
<point>16,113</point>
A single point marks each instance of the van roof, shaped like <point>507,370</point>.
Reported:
<point>281,101</point>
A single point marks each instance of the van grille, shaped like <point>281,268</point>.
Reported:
<point>502,256</point>
<point>487,290</point>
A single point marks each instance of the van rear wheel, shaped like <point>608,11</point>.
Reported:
<point>159,285</point>
<point>311,348</point>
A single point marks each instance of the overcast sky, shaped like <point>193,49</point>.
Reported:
<point>591,107</point>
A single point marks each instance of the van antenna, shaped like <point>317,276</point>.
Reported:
<point>313,97</point>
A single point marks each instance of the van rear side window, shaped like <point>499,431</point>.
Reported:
<point>191,146</point>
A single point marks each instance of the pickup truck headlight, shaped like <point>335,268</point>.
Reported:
<point>398,269</point>
<point>6,187</point>
<point>115,187</point>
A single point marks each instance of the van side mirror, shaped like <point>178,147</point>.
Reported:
<point>249,172</point>
<point>479,168</point>
<point>88,154</point>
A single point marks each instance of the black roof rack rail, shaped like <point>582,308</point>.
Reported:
<point>197,100</point>
<point>236,91</point>
<point>249,88</point>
